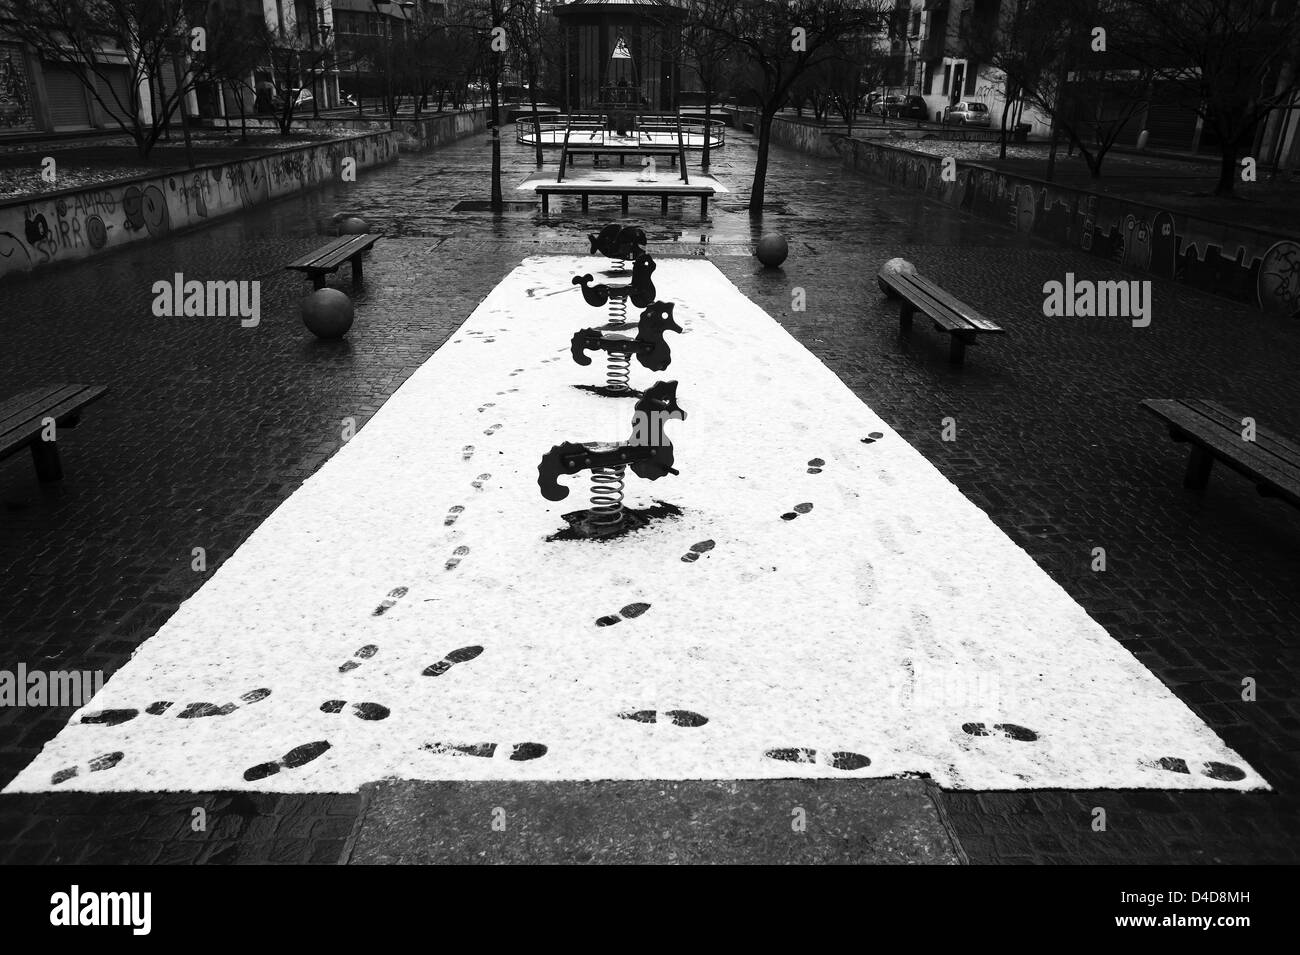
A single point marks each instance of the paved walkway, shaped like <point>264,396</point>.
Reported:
<point>210,426</point>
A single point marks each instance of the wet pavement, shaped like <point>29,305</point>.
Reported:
<point>209,426</point>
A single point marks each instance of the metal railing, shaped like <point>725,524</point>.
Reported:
<point>550,128</point>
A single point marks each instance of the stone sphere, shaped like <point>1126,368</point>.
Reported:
<point>353,226</point>
<point>327,313</point>
<point>772,250</point>
<point>895,266</point>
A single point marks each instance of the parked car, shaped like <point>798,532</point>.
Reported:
<point>906,107</point>
<point>967,113</point>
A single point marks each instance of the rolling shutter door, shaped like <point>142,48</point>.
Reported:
<point>119,81</point>
<point>1170,126</point>
<point>68,108</point>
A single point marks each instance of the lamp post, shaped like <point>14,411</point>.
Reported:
<point>323,32</point>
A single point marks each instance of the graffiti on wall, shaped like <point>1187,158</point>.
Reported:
<point>16,111</point>
<point>1263,269</point>
<point>73,225</point>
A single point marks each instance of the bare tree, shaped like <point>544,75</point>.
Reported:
<point>1232,62</point>
<point>297,61</point>
<point>781,42</point>
<point>91,37</point>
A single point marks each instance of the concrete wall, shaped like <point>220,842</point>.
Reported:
<point>77,223</point>
<point>414,135</point>
<point>1245,264</point>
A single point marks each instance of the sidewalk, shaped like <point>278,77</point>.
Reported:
<point>206,431</point>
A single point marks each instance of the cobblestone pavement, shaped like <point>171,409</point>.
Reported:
<point>209,426</point>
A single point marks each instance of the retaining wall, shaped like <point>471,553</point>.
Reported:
<point>1255,266</point>
<point>414,135</point>
<point>75,224</point>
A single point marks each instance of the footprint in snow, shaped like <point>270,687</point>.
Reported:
<point>463,655</point>
<point>298,756</point>
<point>703,547</point>
<point>364,653</point>
<point>192,711</point>
<point>676,717</point>
<point>363,711</point>
<point>96,765</point>
<point>394,595</point>
<point>798,509</point>
<point>840,759</point>
<point>1008,730</point>
<point>1222,771</point>
<point>630,612</point>
<point>519,752</point>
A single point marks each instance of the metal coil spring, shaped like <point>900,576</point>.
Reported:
<point>607,497</point>
<point>618,310</point>
<point>617,266</point>
<point>618,371</point>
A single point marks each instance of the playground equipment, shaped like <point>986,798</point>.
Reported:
<point>620,243</point>
<point>648,452</point>
<point>649,346</point>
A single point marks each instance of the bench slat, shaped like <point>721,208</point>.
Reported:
<point>1227,446</point>
<point>64,401</point>
<point>945,297</point>
<point>309,259</point>
<point>334,254</point>
<point>1190,416</point>
<point>1265,439</point>
<point>941,313</point>
<point>22,406</point>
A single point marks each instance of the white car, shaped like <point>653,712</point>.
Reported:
<point>968,113</point>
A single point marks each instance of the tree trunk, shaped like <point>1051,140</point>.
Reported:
<point>1006,108</point>
<point>537,126</point>
<point>708,108</point>
<point>760,166</point>
<point>495,97</point>
<point>1227,170</point>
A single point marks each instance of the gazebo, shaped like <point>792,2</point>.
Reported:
<point>621,55</point>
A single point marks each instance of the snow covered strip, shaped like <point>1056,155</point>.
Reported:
<point>825,604</point>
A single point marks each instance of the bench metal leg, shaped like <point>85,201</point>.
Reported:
<point>585,197</point>
<point>624,203</point>
<point>546,203</point>
<point>621,159</point>
<point>663,205</point>
<point>45,455</point>
<point>957,350</point>
<point>704,207</point>
<point>1198,469</point>
<point>356,270</point>
<point>905,318</point>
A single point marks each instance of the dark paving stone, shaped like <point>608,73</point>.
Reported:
<point>868,821</point>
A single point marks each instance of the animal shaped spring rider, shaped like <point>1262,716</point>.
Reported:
<point>648,452</point>
<point>640,289</point>
<point>649,347</point>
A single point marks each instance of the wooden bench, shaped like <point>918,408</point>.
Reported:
<point>1217,434</point>
<point>23,419</point>
<point>328,258</point>
<point>919,294</point>
<point>663,193</point>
